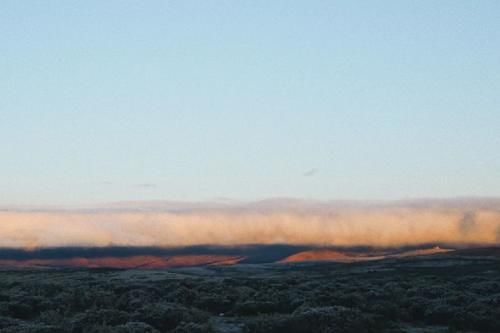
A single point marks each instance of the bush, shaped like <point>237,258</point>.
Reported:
<point>34,328</point>
<point>135,327</point>
<point>322,320</point>
<point>192,328</point>
<point>166,316</point>
<point>97,318</point>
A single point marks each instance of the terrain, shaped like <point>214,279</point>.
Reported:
<point>426,290</point>
<point>158,257</point>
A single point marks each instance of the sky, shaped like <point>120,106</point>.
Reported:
<point>104,101</point>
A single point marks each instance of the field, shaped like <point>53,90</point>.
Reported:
<point>445,292</point>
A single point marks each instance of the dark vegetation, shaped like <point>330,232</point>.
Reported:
<point>440,293</point>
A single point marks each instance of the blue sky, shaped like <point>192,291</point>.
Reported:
<point>194,100</point>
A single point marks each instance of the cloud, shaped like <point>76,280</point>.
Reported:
<point>311,172</point>
<point>467,222</point>
<point>145,185</point>
<point>291,222</point>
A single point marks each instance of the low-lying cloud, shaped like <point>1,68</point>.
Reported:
<point>386,224</point>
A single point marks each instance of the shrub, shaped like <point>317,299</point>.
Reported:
<point>321,319</point>
<point>166,316</point>
<point>135,327</point>
<point>192,328</point>
<point>96,318</point>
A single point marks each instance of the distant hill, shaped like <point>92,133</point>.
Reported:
<point>159,258</point>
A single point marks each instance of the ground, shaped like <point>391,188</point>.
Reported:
<point>446,292</point>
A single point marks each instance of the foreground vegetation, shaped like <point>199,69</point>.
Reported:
<point>441,293</point>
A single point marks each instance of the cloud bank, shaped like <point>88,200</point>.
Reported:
<point>164,224</point>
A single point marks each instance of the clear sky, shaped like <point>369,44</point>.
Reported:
<point>193,100</point>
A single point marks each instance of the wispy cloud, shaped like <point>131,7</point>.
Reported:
<point>145,185</point>
<point>104,183</point>
<point>311,172</point>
